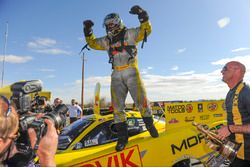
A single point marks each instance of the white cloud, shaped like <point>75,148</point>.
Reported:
<point>46,46</point>
<point>240,49</point>
<point>222,23</point>
<point>183,86</point>
<point>179,51</point>
<point>243,59</point>
<point>149,68</point>
<point>46,41</point>
<point>146,70</point>
<point>46,70</point>
<point>186,73</point>
<point>73,90</point>
<point>54,51</point>
<point>41,43</point>
<point>174,68</point>
<point>15,59</point>
<point>50,76</point>
<point>187,87</point>
<point>104,80</point>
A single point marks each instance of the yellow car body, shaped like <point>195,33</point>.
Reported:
<point>178,139</point>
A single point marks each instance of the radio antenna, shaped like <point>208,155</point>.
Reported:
<point>4,53</point>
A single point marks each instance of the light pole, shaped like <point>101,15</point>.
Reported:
<point>82,95</point>
<point>4,54</point>
<point>83,59</point>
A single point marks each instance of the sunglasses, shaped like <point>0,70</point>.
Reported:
<point>225,68</point>
<point>6,101</point>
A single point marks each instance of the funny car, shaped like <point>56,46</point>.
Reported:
<point>90,141</point>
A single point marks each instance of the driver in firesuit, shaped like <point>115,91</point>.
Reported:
<point>121,45</point>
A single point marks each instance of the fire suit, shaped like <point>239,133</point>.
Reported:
<point>125,75</point>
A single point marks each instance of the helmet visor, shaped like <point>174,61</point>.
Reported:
<point>112,23</point>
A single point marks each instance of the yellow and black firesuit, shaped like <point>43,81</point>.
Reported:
<point>121,45</point>
<point>238,113</point>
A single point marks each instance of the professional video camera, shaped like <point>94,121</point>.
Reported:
<point>27,119</point>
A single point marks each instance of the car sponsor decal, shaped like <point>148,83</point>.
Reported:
<point>173,121</point>
<point>189,108</point>
<point>200,107</point>
<point>127,157</point>
<point>204,117</point>
<point>101,119</point>
<point>91,142</point>
<point>218,115</point>
<point>176,109</point>
<point>212,106</point>
<point>187,143</point>
<point>189,119</point>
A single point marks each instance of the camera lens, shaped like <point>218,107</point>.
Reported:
<point>58,115</point>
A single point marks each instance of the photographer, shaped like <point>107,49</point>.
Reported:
<point>40,105</point>
<point>9,125</point>
<point>57,101</point>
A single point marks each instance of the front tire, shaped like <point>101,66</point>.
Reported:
<point>188,163</point>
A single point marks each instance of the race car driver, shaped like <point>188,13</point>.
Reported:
<point>121,45</point>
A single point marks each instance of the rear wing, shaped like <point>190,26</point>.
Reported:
<point>184,113</point>
<point>97,98</point>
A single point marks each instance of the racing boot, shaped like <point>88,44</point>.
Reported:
<point>149,122</point>
<point>122,134</point>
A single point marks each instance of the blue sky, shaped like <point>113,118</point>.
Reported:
<point>190,42</point>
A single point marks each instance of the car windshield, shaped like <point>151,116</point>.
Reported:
<point>70,132</point>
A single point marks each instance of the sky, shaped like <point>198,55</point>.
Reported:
<point>190,42</point>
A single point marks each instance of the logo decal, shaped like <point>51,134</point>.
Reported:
<point>189,108</point>
<point>128,157</point>
<point>204,117</point>
<point>200,107</point>
<point>212,106</point>
<point>173,121</point>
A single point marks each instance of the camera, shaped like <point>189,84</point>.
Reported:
<point>20,94</point>
<point>27,115</point>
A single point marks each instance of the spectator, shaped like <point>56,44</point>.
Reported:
<point>57,101</point>
<point>79,111</point>
<point>73,109</point>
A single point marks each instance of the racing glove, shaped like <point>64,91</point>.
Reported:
<point>142,14</point>
<point>87,27</point>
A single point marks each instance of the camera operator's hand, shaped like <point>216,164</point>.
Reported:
<point>47,145</point>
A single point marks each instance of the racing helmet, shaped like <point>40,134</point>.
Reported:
<point>113,24</point>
